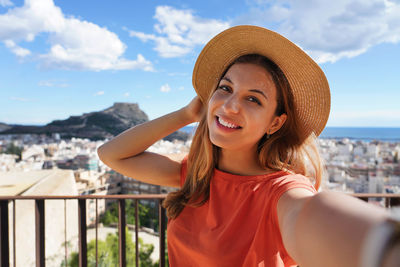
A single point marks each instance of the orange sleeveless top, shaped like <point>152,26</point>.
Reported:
<point>237,226</point>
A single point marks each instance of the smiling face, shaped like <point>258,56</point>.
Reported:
<point>242,108</point>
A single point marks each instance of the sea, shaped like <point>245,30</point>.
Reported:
<point>362,133</point>
<point>366,134</point>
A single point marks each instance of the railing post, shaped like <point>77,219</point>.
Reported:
<point>136,232</point>
<point>162,225</point>
<point>97,243</point>
<point>40,258</point>
<point>122,233</point>
<point>65,233</point>
<point>39,226</point>
<point>82,232</point>
<point>4,242</point>
<point>14,236</point>
<point>387,202</point>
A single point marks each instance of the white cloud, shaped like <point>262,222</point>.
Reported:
<point>6,3</point>
<point>17,50</point>
<point>165,88</point>
<point>179,31</point>
<point>52,83</point>
<point>99,93</point>
<point>178,74</point>
<point>127,94</point>
<point>330,30</point>
<point>20,99</point>
<point>74,44</point>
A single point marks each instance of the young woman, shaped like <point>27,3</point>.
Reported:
<point>247,190</point>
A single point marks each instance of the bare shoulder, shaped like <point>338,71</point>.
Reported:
<point>292,201</point>
<point>293,196</point>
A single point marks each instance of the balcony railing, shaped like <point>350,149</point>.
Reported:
<point>390,200</point>
<point>82,227</point>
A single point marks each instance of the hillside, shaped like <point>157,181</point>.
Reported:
<point>94,125</point>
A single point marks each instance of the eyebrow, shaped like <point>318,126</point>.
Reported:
<point>258,92</point>
<point>251,90</point>
<point>226,79</point>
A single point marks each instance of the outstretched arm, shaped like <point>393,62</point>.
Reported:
<point>327,229</point>
<point>125,153</point>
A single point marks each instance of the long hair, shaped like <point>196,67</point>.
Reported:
<point>287,149</point>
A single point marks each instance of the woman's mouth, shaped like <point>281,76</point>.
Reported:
<point>226,124</point>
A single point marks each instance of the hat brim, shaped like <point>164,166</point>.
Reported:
<point>309,85</point>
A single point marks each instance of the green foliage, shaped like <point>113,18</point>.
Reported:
<point>109,216</point>
<point>73,120</point>
<point>145,251</point>
<point>166,259</point>
<point>148,216</point>
<point>13,149</point>
<point>108,253</point>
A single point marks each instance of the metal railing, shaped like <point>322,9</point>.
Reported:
<point>82,226</point>
<point>390,200</point>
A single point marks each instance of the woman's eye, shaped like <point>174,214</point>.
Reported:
<point>254,99</point>
<point>224,88</point>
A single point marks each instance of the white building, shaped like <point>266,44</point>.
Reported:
<point>44,182</point>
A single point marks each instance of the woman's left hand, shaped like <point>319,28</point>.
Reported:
<point>194,109</point>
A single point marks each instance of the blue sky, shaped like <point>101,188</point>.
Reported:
<point>62,58</point>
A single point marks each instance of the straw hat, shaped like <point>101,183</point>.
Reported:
<point>308,82</point>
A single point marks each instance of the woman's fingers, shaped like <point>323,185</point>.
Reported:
<point>195,109</point>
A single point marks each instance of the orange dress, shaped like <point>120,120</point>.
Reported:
<point>237,226</point>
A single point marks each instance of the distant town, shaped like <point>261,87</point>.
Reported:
<point>32,152</point>
<point>46,164</point>
<point>352,166</point>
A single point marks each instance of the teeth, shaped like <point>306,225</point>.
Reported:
<point>227,124</point>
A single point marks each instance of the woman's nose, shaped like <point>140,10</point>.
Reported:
<point>231,105</point>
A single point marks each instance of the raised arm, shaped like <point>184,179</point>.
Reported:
<point>125,153</point>
<point>328,229</point>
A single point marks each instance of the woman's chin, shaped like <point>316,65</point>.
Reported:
<point>224,144</point>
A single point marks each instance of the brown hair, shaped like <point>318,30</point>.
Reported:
<point>287,149</point>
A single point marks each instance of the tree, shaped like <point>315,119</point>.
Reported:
<point>108,253</point>
<point>15,150</point>
<point>147,215</point>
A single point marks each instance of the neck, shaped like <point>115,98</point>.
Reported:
<point>240,162</point>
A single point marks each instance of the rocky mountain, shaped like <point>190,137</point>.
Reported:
<point>4,127</point>
<point>94,125</point>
